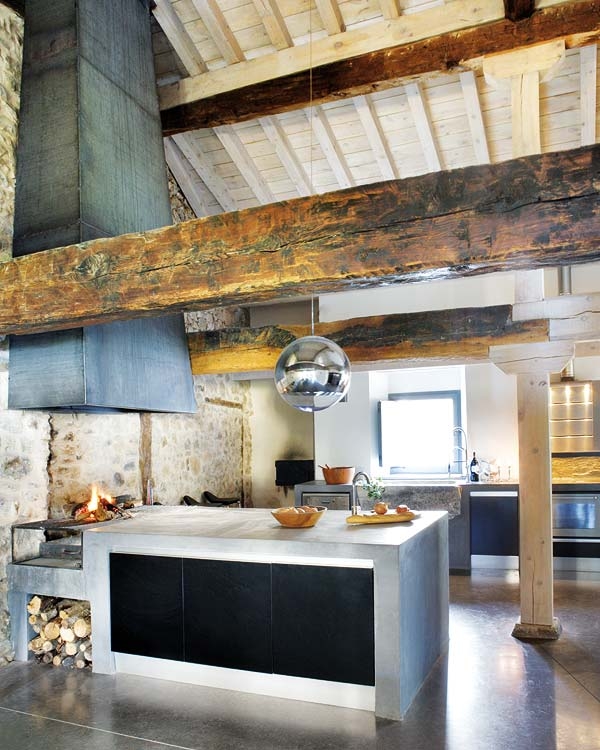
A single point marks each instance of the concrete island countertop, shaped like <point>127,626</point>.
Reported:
<point>190,524</point>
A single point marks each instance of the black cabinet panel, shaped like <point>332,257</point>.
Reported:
<point>575,548</point>
<point>494,525</point>
<point>146,605</point>
<point>323,623</point>
<point>228,614</point>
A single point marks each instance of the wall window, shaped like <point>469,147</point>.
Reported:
<point>416,433</point>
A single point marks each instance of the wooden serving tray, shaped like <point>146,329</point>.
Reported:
<point>383,518</point>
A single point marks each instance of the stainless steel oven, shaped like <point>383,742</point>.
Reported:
<point>576,515</point>
<point>332,496</point>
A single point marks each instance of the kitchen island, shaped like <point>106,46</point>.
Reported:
<point>351,616</point>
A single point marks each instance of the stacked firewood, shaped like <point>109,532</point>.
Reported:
<point>63,631</point>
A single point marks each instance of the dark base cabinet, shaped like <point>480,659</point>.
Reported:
<point>146,605</point>
<point>297,620</point>
<point>323,624</point>
<point>494,525</point>
<point>227,614</point>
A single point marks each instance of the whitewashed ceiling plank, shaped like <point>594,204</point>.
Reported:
<point>206,171</point>
<point>452,17</point>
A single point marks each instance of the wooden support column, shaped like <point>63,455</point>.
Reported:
<point>531,364</point>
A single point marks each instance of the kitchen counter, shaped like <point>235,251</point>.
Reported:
<point>407,564</point>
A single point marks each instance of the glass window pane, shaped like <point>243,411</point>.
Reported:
<point>416,434</point>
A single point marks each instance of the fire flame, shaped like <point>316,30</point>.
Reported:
<point>94,500</point>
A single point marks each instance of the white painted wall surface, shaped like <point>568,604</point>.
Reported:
<point>492,416</point>
<point>347,434</point>
<point>278,431</point>
<point>344,433</point>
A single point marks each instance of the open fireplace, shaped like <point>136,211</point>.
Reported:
<point>58,542</point>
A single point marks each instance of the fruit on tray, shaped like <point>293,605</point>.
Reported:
<point>403,509</point>
<point>380,508</point>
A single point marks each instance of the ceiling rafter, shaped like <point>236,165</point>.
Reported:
<point>330,147</point>
<point>458,15</point>
<point>215,22</point>
<point>184,174</point>
<point>588,93</point>
<point>423,127</point>
<point>390,8</point>
<point>276,134</point>
<point>468,83</point>
<point>331,15</point>
<point>236,96</point>
<point>274,23</point>
<point>240,157</point>
<point>376,136</point>
<point>180,40</point>
<point>206,171</point>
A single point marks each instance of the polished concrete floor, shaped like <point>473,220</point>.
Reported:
<point>491,692</point>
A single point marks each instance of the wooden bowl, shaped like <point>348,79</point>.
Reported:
<point>338,474</point>
<point>298,520</point>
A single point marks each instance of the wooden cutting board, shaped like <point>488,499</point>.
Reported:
<point>383,518</point>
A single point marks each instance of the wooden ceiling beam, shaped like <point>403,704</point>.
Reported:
<point>455,336</point>
<point>517,10</point>
<point>187,106</point>
<point>526,213</point>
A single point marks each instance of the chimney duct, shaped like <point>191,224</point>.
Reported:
<point>90,163</point>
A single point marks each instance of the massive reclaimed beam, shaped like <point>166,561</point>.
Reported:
<point>530,212</point>
<point>186,105</point>
<point>452,336</point>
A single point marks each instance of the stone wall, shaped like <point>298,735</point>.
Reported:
<point>48,462</point>
<point>11,38</point>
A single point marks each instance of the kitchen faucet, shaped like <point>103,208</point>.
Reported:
<point>463,448</point>
<point>357,476</point>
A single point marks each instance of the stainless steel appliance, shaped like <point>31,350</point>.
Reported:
<point>576,515</point>
<point>332,496</point>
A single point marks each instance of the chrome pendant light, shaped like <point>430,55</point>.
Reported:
<point>312,373</point>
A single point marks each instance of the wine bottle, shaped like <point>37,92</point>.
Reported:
<point>474,468</point>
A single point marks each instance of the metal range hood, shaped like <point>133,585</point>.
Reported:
<point>90,163</point>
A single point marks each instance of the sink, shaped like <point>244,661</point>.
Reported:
<point>425,481</point>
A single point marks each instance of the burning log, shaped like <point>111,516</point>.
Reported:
<point>98,508</point>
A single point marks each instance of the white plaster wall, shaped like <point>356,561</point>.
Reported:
<point>278,432</point>
<point>349,436</point>
<point>492,416</point>
<point>484,290</point>
<point>344,433</point>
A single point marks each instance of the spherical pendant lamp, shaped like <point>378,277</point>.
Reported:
<point>312,373</point>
